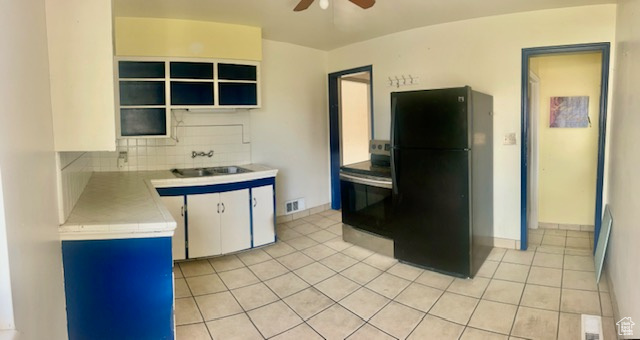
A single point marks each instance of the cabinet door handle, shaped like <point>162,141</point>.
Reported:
<point>223,208</point>
<point>255,202</point>
<point>218,208</point>
<point>182,210</point>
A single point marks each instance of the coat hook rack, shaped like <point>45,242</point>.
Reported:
<point>402,80</point>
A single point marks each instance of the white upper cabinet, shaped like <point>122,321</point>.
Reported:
<point>80,42</point>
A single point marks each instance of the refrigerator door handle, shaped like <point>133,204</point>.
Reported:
<point>393,145</point>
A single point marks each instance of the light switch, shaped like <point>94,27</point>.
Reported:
<point>509,139</point>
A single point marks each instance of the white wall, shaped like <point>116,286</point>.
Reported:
<point>291,130</point>
<point>624,183</point>
<point>484,53</point>
<point>28,168</point>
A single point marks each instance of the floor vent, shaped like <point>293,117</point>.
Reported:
<point>294,206</point>
<point>591,327</point>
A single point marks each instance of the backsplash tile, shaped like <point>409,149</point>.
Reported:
<point>74,171</point>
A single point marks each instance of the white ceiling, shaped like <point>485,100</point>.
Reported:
<point>342,24</point>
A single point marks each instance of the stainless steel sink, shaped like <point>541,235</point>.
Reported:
<point>212,171</point>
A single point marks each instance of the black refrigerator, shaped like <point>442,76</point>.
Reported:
<point>442,172</point>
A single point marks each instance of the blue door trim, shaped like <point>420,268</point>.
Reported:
<point>604,48</point>
<point>334,127</point>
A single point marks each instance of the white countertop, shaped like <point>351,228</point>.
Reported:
<point>116,205</point>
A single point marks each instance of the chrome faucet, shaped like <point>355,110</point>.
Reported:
<point>195,154</point>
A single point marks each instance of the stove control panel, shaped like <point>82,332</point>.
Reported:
<point>380,147</point>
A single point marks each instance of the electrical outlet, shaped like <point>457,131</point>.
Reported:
<point>509,139</point>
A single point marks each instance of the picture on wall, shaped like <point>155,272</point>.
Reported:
<point>569,112</point>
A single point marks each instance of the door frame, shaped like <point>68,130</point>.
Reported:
<point>604,48</point>
<point>334,127</point>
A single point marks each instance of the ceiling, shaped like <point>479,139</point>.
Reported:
<point>341,24</point>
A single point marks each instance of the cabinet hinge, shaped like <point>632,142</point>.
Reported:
<point>186,244</point>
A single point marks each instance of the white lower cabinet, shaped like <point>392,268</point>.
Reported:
<point>175,205</point>
<point>218,223</point>
<point>262,210</point>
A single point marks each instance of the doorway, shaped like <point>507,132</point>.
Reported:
<point>563,135</point>
<point>350,121</point>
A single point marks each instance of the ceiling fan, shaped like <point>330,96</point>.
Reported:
<point>304,4</point>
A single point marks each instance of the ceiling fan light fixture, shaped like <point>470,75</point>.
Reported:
<point>324,4</point>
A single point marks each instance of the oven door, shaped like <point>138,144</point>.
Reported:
<point>366,203</point>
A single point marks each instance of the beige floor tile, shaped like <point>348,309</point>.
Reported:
<point>361,273</point>
<point>534,323</point>
<point>181,288</point>
<point>579,234</point>
<point>338,262</point>
<point>254,296</point>
<point>286,285</point>
<point>579,280</point>
<point>545,276</point>
<point>302,331</point>
<point>569,327</point>
<point>323,235</point>
<point>471,287</point>
<point>187,311</point>
<point>556,232</point>
<point>217,305</point>
<point>550,240</point>
<point>306,228</point>
<point>575,262</point>
<point>335,322</point>
<point>518,256</point>
<point>435,280</point>
<point>236,327</point>
<point>337,244</point>
<point>335,229</point>
<point>605,304</point>
<point>177,273</point>
<point>534,239</point>
<point>405,271</point>
<point>609,330</point>
<point>286,234</point>
<point>603,285</point>
<point>364,303</point>
<point>548,260</point>
<point>487,269</point>
<point>295,260</point>
<point>397,320</point>
<point>224,263</point>
<point>504,291</point>
<point>550,249</point>
<point>195,268</point>
<point>274,318</point>
<point>496,254</point>
<point>308,302</point>
<point>579,252</point>
<point>337,287</point>
<point>580,301</point>
<point>380,261</point>
<point>512,272</point>
<point>319,252</point>
<point>357,253</point>
<point>314,273</point>
<point>580,243</point>
<point>268,269</point>
<point>493,316</point>
<point>254,256</point>
<point>281,248</point>
<point>368,332</point>
<point>419,296</point>
<point>388,285</point>
<point>542,297</point>
<point>454,307</point>
<point>196,331</point>
<point>433,327</point>
<point>238,278</point>
<point>205,284</point>
<point>478,334</point>
<point>302,242</point>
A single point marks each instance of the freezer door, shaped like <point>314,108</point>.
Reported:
<point>431,216</point>
<point>432,119</point>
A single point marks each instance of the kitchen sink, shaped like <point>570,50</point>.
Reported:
<point>212,171</point>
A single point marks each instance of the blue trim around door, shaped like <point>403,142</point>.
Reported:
<point>527,53</point>
<point>334,127</point>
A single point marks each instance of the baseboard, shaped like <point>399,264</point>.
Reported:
<point>564,226</point>
<point>303,213</point>
<point>612,297</point>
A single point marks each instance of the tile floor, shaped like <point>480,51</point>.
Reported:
<point>312,285</point>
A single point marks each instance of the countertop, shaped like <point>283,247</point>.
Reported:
<point>116,205</point>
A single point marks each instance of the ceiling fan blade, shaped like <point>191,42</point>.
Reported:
<point>364,4</point>
<point>302,5</point>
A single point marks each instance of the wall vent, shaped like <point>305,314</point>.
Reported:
<point>294,206</point>
<point>591,327</point>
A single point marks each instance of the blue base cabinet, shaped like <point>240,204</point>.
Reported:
<point>119,289</point>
